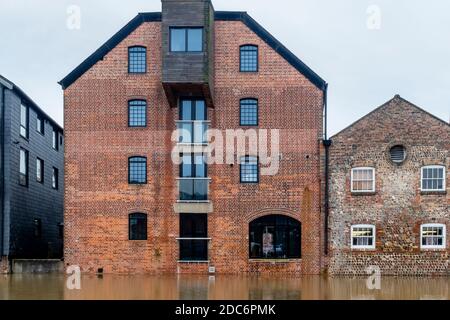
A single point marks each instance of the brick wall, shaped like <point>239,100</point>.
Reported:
<point>398,207</point>
<point>98,197</point>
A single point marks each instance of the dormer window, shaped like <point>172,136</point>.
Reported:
<point>186,39</point>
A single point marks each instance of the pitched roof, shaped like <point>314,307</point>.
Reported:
<point>219,16</point>
<point>13,87</point>
<point>396,97</point>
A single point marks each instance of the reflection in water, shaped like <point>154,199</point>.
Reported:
<point>186,287</point>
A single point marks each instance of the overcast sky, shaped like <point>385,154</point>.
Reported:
<point>365,60</point>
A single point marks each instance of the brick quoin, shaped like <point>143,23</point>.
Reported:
<point>98,198</point>
<point>398,207</point>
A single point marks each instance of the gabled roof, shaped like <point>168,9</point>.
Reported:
<point>396,97</point>
<point>219,16</point>
<point>11,86</point>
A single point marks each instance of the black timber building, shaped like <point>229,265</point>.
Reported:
<point>31,179</point>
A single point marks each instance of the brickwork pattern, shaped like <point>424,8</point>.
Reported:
<point>98,197</point>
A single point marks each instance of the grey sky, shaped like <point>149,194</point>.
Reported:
<point>409,55</point>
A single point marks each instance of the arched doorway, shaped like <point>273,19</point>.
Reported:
<point>275,237</point>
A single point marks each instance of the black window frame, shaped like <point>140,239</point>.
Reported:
<point>280,224</point>
<point>130,106</point>
<point>130,71</point>
<point>55,139</point>
<point>40,178</point>
<point>40,124</point>
<point>240,169</point>
<point>130,161</point>
<point>55,178</point>
<point>193,165</point>
<point>242,50</point>
<point>37,228</point>
<point>140,218</point>
<point>186,39</point>
<point>193,237</point>
<point>193,102</point>
<point>242,103</point>
<point>25,126</point>
<point>24,176</point>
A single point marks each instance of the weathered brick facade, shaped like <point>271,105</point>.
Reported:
<point>98,198</point>
<point>398,207</point>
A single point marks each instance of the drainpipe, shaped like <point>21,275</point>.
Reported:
<point>326,144</point>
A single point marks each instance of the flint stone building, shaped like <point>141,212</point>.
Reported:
<point>31,171</point>
<point>130,209</point>
<point>389,201</point>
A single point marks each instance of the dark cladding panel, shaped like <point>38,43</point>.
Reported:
<point>190,67</point>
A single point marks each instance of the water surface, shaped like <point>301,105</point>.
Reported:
<point>220,288</point>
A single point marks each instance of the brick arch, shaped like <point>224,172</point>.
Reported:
<point>272,211</point>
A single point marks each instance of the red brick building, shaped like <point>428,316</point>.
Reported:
<point>389,202</point>
<point>129,208</point>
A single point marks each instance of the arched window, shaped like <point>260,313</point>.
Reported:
<point>137,59</point>
<point>137,226</point>
<point>249,112</point>
<point>249,58</point>
<point>137,113</point>
<point>275,237</point>
<point>137,170</point>
<point>432,236</point>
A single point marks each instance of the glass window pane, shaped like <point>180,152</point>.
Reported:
<point>177,39</point>
<point>137,60</point>
<point>200,110</point>
<point>195,39</point>
<point>137,113</point>
<point>249,59</point>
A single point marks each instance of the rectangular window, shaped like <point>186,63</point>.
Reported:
<point>137,113</point>
<point>193,122</point>
<point>249,170</point>
<point>432,236</point>
<point>137,59</point>
<point>363,237</point>
<point>37,226</point>
<point>24,121</point>
<point>55,144</point>
<point>249,112</point>
<point>186,39</point>
<point>40,170</point>
<point>433,178</point>
<point>193,165</point>
<point>138,226</point>
<point>40,124</point>
<point>363,180</point>
<point>55,178</point>
<point>23,167</point>
<point>193,237</point>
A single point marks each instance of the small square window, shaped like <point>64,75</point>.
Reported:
<point>433,178</point>
<point>363,180</point>
<point>363,237</point>
<point>186,39</point>
<point>433,236</point>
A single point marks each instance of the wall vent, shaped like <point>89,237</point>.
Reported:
<point>398,154</point>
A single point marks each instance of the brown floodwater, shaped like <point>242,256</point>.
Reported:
<point>220,287</point>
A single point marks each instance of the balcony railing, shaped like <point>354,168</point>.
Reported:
<point>193,132</point>
<point>193,189</point>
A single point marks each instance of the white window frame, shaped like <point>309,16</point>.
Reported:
<point>373,246</point>
<point>444,235</point>
<point>373,180</point>
<point>444,186</point>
